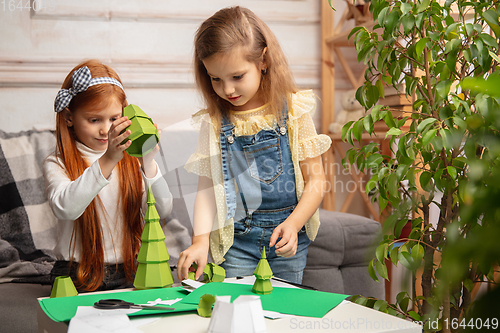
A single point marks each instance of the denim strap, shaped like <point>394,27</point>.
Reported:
<point>226,135</point>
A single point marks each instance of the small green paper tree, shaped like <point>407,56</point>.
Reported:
<point>263,275</point>
<point>153,270</point>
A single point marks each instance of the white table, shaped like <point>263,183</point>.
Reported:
<point>346,317</point>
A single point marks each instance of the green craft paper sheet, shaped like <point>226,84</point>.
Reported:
<point>295,301</point>
<point>64,308</point>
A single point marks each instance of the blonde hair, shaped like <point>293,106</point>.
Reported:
<point>239,27</point>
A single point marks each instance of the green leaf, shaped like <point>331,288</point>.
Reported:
<point>451,60</point>
<point>419,47</point>
<point>451,30</point>
<point>393,255</point>
<point>403,300</point>
<point>494,56</point>
<point>382,203</point>
<point>417,253</point>
<point>380,251</point>
<point>488,40</point>
<point>426,122</point>
<point>447,139</point>
<point>452,171</point>
<point>356,132</point>
<point>443,88</point>
<point>381,16</point>
<point>361,300</point>
<point>393,185</point>
<point>374,160</point>
<point>375,113</point>
<point>371,271</point>
<point>401,171</point>
<point>393,131</point>
<point>391,20</point>
<point>346,127</point>
<point>491,17</point>
<point>368,124</point>
<point>408,23</point>
<point>468,284</point>
<point>380,305</point>
<point>428,136</point>
<point>405,8</point>
<point>372,95</point>
<point>423,5</point>
<point>371,184</point>
<point>425,178</point>
<point>382,269</point>
<point>399,227</point>
<point>354,30</point>
<point>406,260</point>
<point>415,316</point>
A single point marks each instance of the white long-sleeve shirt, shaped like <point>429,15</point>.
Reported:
<point>69,199</point>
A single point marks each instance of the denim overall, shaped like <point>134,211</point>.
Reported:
<point>259,184</point>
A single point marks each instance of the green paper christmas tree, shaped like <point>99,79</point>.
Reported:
<point>263,275</point>
<point>144,135</point>
<point>153,270</point>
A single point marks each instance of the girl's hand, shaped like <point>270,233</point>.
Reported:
<point>287,246</point>
<point>196,253</point>
<point>114,153</point>
<point>115,148</point>
<point>147,161</point>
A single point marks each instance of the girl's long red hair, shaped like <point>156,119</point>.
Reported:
<point>87,227</point>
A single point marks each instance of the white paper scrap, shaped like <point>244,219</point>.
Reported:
<point>190,285</point>
<point>158,301</point>
<point>91,320</point>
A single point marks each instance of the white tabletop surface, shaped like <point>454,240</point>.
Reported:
<point>346,317</point>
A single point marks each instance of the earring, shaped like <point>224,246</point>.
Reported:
<point>264,71</point>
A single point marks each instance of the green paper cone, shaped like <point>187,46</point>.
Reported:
<point>153,275</point>
<point>262,287</point>
<point>263,270</point>
<point>63,286</point>
<point>153,252</point>
<point>144,135</point>
<point>152,232</point>
<point>205,305</point>
<point>152,215</point>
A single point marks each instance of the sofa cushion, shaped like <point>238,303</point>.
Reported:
<point>27,225</point>
<point>338,259</point>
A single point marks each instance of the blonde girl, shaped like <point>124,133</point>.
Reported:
<point>258,157</point>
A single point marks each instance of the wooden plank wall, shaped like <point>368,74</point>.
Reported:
<point>149,43</point>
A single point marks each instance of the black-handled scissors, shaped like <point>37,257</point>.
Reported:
<point>109,304</point>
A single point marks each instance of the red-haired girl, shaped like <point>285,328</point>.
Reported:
<point>95,189</point>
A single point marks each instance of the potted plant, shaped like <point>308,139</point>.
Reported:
<point>444,156</point>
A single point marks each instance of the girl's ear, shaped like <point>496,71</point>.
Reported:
<point>68,117</point>
<point>263,64</point>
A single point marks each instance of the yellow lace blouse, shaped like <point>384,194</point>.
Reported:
<point>304,143</point>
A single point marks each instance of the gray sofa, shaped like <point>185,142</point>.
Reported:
<point>337,260</point>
